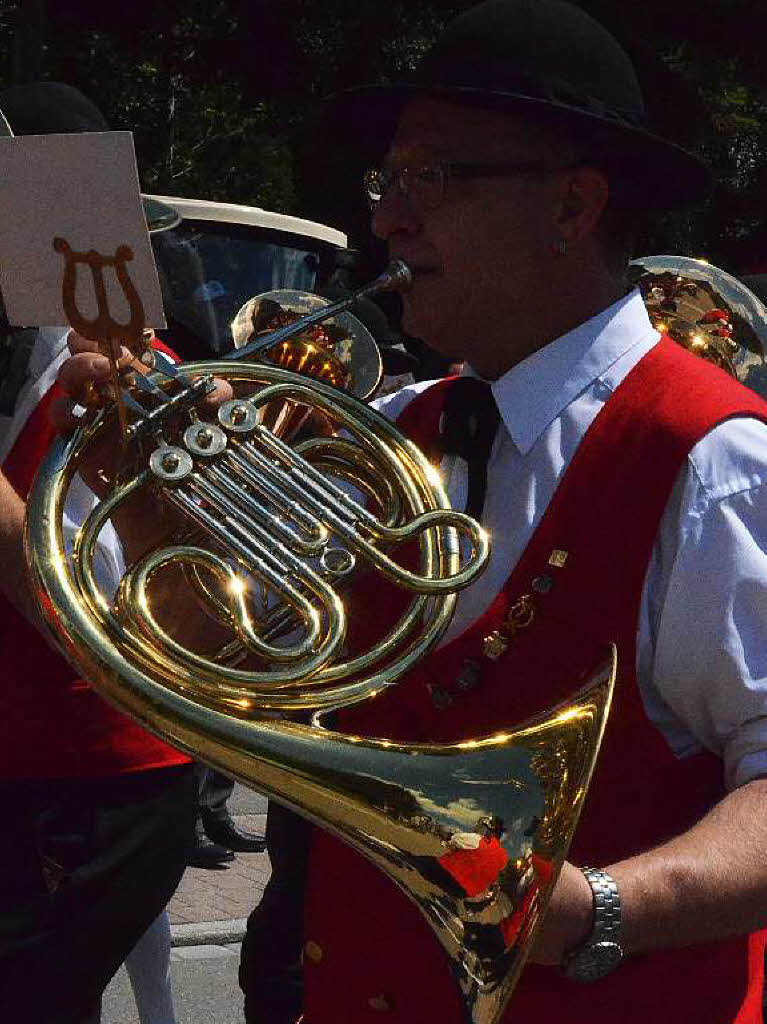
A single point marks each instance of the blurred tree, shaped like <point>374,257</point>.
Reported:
<point>220,95</point>
<point>8,12</point>
<point>29,41</point>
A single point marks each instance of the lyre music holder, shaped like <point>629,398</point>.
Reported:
<point>103,328</point>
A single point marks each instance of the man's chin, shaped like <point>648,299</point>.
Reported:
<point>439,341</point>
<point>422,317</point>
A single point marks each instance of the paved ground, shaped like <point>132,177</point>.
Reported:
<point>205,989</point>
<point>224,894</point>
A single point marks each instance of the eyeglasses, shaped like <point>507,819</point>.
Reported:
<point>425,187</point>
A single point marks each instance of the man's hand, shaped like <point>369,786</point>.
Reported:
<point>85,379</point>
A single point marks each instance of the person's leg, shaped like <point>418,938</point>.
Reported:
<point>215,790</point>
<point>206,853</point>
<point>33,874</point>
<point>271,975</point>
<point>219,826</point>
<point>98,862</point>
<point>148,966</point>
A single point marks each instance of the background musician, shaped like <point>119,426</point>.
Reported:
<point>97,815</point>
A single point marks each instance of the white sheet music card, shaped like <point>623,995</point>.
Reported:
<point>82,188</point>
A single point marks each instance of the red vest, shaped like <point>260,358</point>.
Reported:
<point>53,725</point>
<point>371,949</point>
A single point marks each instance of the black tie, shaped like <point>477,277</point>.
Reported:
<point>468,428</point>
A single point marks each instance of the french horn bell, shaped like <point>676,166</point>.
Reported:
<point>707,311</point>
<point>267,531</point>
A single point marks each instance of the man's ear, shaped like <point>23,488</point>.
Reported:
<point>583,197</point>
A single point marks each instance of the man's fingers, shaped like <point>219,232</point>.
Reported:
<point>80,378</point>
<point>80,372</point>
<point>78,344</point>
<point>86,379</point>
<point>223,393</point>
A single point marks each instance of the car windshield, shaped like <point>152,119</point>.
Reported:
<point>209,269</point>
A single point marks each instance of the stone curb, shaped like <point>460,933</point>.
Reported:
<point>208,933</point>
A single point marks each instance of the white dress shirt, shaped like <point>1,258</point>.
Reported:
<point>702,630</point>
<point>48,353</point>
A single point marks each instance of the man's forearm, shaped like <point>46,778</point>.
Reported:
<point>13,578</point>
<point>708,884</point>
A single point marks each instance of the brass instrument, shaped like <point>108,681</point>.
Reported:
<point>350,360</point>
<point>707,311</point>
<point>267,532</point>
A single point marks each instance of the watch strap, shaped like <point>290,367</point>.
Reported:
<point>601,952</point>
<point>607,906</point>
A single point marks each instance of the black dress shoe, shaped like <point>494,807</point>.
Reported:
<point>222,829</point>
<point>205,854</point>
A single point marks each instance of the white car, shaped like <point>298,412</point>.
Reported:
<point>213,257</point>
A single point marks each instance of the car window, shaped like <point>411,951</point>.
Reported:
<point>209,269</point>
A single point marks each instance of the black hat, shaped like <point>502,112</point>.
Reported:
<point>47,108</point>
<point>548,58</point>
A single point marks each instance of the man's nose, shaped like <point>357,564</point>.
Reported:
<point>394,215</point>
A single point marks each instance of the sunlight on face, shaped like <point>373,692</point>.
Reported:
<point>478,258</point>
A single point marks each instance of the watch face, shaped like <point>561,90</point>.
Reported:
<point>595,961</point>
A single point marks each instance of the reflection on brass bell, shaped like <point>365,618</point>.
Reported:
<point>707,311</point>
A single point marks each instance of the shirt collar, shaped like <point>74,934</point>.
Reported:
<point>532,394</point>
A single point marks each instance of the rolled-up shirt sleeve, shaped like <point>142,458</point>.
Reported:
<point>702,653</point>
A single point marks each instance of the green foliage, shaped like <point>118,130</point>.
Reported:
<point>220,93</point>
<point>7,18</point>
<point>8,11</point>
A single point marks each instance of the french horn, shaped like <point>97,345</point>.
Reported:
<point>707,311</point>
<point>269,526</point>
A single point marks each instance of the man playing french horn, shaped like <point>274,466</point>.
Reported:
<point>624,497</point>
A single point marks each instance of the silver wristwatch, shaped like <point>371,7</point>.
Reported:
<point>602,951</point>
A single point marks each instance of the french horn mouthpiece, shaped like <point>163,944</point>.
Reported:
<point>399,275</point>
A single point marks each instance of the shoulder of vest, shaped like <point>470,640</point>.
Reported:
<point>679,391</point>
<point>671,393</point>
<point>716,390</point>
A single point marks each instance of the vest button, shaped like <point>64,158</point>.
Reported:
<point>380,1004</point>
<point>313,952</point>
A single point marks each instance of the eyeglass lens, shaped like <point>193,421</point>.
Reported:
<point>424,187</point>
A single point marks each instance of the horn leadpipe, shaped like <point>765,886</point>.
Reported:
<point>396,277</point>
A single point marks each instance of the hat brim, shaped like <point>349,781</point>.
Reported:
<point>663,173</point>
